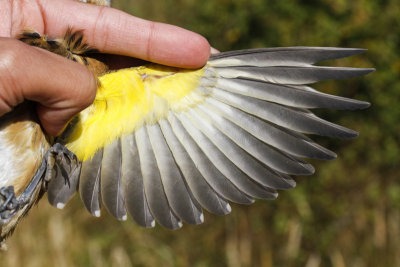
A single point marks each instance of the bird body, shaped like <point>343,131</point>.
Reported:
<point>21,142</point>
<point>23,146</point>
<point>161,143</point>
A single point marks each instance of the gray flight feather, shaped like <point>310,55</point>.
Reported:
<point>269,156</point>
<point>132,182</point>
<point>289,96</point>
<point>291,75</point>
<point>294,119</point>
<point>283,139</point>
<point>240,158</point>
<point>65,183</point>
<point>200,151</point>
<point>200,189</point>
<point>282,56</point>
<point>89,183</point>
<point>175,189</point>
<point>224,165</point>
<point>111,185</point>
<point>153,186</point>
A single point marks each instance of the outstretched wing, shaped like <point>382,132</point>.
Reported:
<point>162,143</point>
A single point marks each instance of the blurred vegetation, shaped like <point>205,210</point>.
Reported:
<point>347,214</point>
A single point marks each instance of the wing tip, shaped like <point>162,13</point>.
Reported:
<point>201,218</point>
<point>345,72</point>
<point>350,134</point>
<point>292,183</point>
<point>303,168</point>
<point>288,184</point>
<point>310,170</point>
<point>197,220</point>
<point>341,73</point>
<point>228,208</point>
<point>60,205</point>
<point>363,105</point>
<point>121,217</point>
<point>331,156</point>
<point>147,224</point>
<point>368,70</point>
<point>341,52</point>
<point>354,51</point>
<point>325,154</point>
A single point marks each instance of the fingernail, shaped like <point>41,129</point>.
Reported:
<point>214,51</point>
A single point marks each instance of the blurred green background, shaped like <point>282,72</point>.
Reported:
<point>347,214</point>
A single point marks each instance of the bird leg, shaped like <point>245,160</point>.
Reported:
<point>57,158</point>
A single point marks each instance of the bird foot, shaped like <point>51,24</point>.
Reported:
<point>9,203</point>
<point>57,159</point>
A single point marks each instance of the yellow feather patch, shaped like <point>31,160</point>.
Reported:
<point>128,98</point>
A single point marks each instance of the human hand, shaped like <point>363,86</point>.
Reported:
<point>61,87</point>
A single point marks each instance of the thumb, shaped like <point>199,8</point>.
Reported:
<point>61,87</point>
<point>54,120</point>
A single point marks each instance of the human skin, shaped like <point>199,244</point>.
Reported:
<point>63,88</point>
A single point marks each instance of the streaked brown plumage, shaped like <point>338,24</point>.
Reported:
<point>98,2</point>
<point>21,131</point>
<point>21,127</point>
<point>72,46</point>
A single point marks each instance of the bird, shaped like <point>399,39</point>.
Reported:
<point>163,143</point>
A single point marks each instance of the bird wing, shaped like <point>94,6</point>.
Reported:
<point>161,143</point>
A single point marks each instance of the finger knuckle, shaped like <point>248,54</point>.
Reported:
<point>11,52</point>
<point>11,74</point>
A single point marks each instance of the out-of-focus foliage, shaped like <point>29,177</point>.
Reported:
<point>347,214</point>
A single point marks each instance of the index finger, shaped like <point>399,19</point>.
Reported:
<point>113,31</point>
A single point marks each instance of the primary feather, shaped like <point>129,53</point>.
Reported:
<point>160,143</point>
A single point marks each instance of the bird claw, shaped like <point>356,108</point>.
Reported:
<point>59,158</point>
<point>9,203</point>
